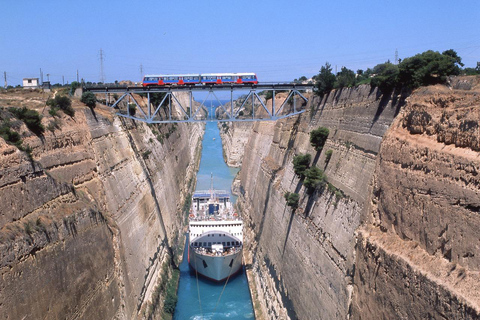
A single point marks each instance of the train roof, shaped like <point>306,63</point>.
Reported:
<point>173,75</point>
<point>198,74</point>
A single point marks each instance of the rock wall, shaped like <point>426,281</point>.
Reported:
<point>301,264</point>
<point>88,220</point>
<point>418,252</point>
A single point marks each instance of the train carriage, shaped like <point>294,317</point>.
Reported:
<point>205,78</point>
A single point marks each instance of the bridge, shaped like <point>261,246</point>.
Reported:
<point>163,105</point>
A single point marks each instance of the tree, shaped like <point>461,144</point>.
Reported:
<point>31,118</point>
<point>429,67</point>
<point>89,99</point>
<point>345,78</point>
<point>301,163</point>
<point>63,103</point>
<point>325,80</point>
<point>318,137</point>
<point>314,178</point>
<point>386,77</point>
<point>292,199</point>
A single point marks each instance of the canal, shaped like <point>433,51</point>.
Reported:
<point>200,298</point>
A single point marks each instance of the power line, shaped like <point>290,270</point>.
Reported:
<point>102,75</point>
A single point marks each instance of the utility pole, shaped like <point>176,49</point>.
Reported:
<point>5,76</point>
<point>141,71</point>
<point>396,56</point>
<point>63,80</point>
<point>48,77</point>
<point>77,75</point>
<point>102,75</point>
<point>41,76</point>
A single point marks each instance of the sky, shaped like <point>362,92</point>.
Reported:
<point>278,40</point>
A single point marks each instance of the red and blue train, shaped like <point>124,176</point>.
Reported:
<point>204,78</point>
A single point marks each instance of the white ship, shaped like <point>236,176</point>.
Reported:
<point>215,235</point>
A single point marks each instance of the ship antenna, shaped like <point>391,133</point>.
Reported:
<point>211,185</point>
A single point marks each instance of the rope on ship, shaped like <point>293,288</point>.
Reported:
<point>218,301</point>
<point>198,287</point>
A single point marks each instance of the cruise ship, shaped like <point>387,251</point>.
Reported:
<point>215,235</point>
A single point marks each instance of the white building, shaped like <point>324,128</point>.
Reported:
<point>30,83</point>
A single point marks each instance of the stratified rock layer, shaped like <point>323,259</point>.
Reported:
<point>87,223</point>
<point>302,263</point>
<point>418,255</point>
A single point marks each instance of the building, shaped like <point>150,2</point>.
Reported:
<point>30,83</point>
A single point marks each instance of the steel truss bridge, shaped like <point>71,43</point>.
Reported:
<point>250,107</point>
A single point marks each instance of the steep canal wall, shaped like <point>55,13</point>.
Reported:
<point>347,246</point>
<point>89,222</point>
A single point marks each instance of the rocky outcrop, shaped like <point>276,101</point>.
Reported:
<point>418,252</point>
<point>87,222</point>
<point>302,262</point>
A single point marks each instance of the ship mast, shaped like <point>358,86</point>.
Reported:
<point>211,185</point>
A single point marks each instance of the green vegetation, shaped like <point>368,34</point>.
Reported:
<point>292,199</point>
<point>73,86</point>
<point>132,109</point>
<point>62,102</point>
<point>146,154</point>
<point>328,156</point>
<point>31,118</point>
<point>345,78</point>
<point>318,137</point>
<point>314,178</point>
<point>301,163</point>
<point>386,77</point>
<point>325,80</point>
<point>11,137</point>
<point>89,99</point>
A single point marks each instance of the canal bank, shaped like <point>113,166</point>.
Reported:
<point>199,298</point>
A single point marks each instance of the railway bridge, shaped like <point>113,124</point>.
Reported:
<point>162,105</point>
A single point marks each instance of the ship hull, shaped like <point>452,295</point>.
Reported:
<point>216,268</point>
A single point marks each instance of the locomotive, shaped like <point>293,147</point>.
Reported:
<point>194,79</point>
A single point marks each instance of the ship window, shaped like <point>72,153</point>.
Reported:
<point>228,243</point>
<point>209,244</point>
<point>204,244</point>
<point>208,235</point>
<point>237,243</point>
<point>223,243</point>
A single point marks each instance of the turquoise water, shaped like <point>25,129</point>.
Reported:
<point>199,298</point>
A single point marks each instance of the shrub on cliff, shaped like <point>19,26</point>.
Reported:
<point>8,135</point>
<point>301,163</point>
<point>89,99</point>
<point>429,67</point>
<point>292,199</point>
<point>325,80</point>
<point>345,78</point>
<point>62,102</point>
<point>314,178</point>
<point>386,77</point>
<point>318,137</point>
<point>31,118</point>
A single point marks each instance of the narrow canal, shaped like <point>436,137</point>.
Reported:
<point>200,298</point>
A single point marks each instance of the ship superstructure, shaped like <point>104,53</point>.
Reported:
<point>215,235</point>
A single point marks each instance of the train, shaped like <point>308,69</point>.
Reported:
<point>195,79</point>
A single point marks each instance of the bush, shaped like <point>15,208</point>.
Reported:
<point>292,199</point>
<point>301,163</point>
<point>11,137</point>
<point>31,118</point>
<point>328,156</point>
<point>325,80</point>
<point>429,67</point>
<point>314,178</point>
<point>63,103</point>
<point>345,78</point>
<point>132,109</point>
<point>386,77</point>
<point>89,99</point>
<point>73,86</point>
<point>318,137</point>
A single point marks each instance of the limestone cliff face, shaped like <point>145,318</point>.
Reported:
<point>86,224</point>
<point>418,254</point>
<point>302,263</point>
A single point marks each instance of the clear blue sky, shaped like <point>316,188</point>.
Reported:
<point>279,40</point>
